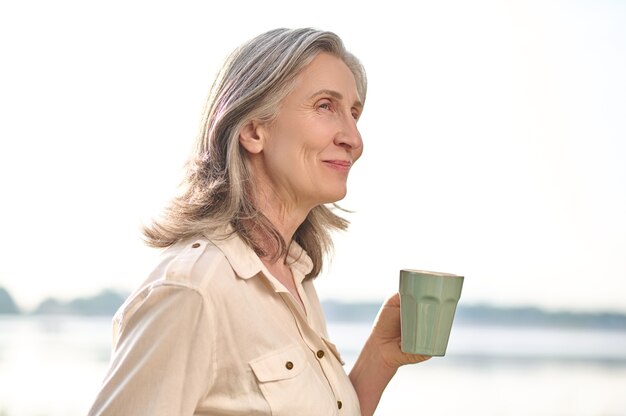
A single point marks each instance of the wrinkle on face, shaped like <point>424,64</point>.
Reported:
<point>312,126</point>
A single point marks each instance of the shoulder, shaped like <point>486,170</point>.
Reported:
<point>191,265</point>
<point>186,271</point>
<point>195,263</point>
<point>212,266</point>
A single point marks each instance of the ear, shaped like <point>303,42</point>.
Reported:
<point>251,137</point>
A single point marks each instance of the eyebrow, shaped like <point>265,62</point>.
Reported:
<point>335,94</point>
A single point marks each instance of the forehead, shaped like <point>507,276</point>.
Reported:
<point>326,72</point>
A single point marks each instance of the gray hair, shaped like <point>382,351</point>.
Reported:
<point>253,81</point>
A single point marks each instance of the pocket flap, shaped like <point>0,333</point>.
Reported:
<point>285,363</point>
<point>333,348</point>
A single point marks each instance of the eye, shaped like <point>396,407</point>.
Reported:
<point>325,105</point>
<point>355,115</point>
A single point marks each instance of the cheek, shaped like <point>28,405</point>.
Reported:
<point>300,142</point>
<point>309,146</point>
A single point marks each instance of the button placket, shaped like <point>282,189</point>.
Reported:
<point>313,340</point>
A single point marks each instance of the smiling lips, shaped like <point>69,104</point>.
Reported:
<point>341,165</point>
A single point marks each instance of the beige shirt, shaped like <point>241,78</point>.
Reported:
<point>212,332</point>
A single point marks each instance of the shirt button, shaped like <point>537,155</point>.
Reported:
<point>195,245</point>
<point>288,365</point>
<point>320,354</point>
<point>339,404</point>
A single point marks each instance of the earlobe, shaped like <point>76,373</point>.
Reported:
<point>251,137</point>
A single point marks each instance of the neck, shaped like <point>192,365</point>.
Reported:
<point>280,206</point>
<point>285,218</point>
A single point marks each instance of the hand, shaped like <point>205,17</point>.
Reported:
<point>386,335</point>
<point>380,357</point>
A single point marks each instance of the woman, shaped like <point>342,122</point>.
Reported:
<point>229,322</point>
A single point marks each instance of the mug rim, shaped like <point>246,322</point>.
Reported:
<point>427,273</point>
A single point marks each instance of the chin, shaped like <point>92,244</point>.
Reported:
<point>336,197</point>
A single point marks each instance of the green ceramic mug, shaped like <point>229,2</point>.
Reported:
<point>427,305</point>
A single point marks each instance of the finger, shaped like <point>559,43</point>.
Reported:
<point>393,300</point>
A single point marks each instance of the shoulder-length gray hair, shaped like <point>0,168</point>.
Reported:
<point>216,190</point>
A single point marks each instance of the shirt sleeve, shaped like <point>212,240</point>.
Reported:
<point>162,359</point>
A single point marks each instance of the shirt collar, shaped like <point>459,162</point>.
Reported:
<point>246,263</point>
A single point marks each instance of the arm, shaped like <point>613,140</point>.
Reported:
<point>380,357</point>
<point>161,361</point>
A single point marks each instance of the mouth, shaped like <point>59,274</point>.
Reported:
<point>341,165</point>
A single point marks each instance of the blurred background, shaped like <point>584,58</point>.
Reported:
<point>495,141</point>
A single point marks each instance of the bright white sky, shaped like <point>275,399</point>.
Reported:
<point>495,136</point>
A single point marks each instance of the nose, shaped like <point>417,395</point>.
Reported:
<point>349,136</point>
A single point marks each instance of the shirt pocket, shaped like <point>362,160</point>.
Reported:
<point>290,385</point>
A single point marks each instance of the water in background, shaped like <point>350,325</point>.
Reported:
<point>53,366</point>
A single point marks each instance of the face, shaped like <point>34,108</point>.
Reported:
<point>308,149</point>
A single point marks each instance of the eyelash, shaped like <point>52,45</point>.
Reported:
<point>355,114</point>
<point>325,103</point>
